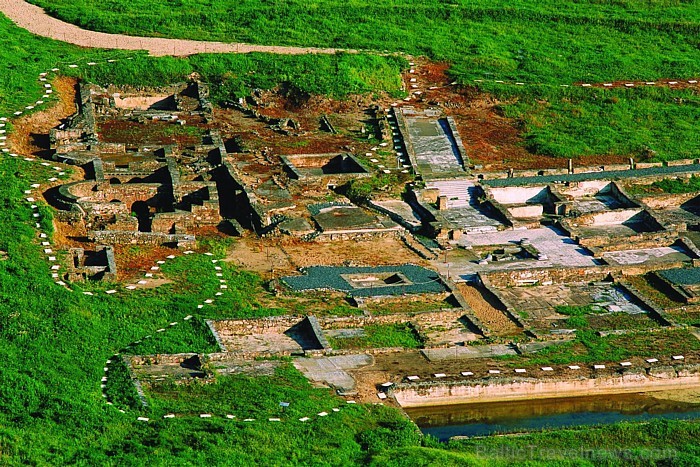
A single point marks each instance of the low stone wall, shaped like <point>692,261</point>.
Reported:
<point>126,361</point>
<point>650,172</point>
<point>519,195</point>
<point>665,201</point>
<point>544,276</point>
<point>318,332</point>
<point>673,291</point>
<point>110,273</point>
<point>468,312</point>
<point>581,275</point>
<point>403,131</point>
<point>160,359</point>
<point>394,216</point>
<point>503,215</point>
<point>206,214</point>
<point>458,142</point>
<point>360,235</point>
<point>604,243</point>
<point>141,238</point>
<point>212,328</point>
<point>418,248</point>
<point>378,351</point>
<point>460,392</point>
<point>275,324</point>
<point>588,169</point>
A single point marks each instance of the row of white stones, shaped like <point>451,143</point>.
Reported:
<point>234,417</point>
<point>402,163</point>
<point>628,84</point>
<point>223,286</point>
<point>60,171</point>
<point>53,260</point>
<point>626,364</point>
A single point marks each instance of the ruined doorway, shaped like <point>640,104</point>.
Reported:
<point>142,212</point>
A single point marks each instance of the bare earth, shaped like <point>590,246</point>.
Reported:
<point>31,132</point>
<point>376,252</point>
<point>35,20</point>
<point>275,258</point>
<point>494,318</point>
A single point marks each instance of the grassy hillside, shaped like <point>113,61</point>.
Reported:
<point>544,43</point>
<point>24,56</point>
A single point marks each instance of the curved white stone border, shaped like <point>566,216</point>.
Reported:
<point>209,301</point>
<point>51,257</point>
<point>232,417</point>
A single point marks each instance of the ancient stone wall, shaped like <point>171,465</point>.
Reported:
<point>141,238</point>
<point>274,325</point>
<point>160,359</point>
<point>604,243</point>
<point>667,201</point>
<point>544,276</point>
<point>360,235</point>
<point>459,392</point>
<point>129,193</point>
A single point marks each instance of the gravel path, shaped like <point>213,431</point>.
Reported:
<point>35,20</point>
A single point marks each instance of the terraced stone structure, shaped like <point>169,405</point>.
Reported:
<point>149,159</point>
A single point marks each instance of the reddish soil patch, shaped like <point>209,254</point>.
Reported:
<point>30,135</point>
<point>494,141</point>
<point>490,139</point>
<point>134,133</point>
<point>434,73</point>
<point>133,260</point>
<point>261,256</point>
<point>209,231</point>
<point>68,236</point>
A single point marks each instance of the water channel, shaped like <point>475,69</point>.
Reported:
<point>487,418</point>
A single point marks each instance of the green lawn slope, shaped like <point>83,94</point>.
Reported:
<point>543,44</point>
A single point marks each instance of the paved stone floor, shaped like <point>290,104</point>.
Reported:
<point>656,255</point>
<point>561,251</point>
<point>435,152</point>
<point>541,301</point>
<point>331,370</point>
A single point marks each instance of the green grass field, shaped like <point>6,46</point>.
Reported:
<point>379,336</point>
<point>548,42</point>
<point>543,45</point>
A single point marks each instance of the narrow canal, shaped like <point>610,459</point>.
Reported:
<point>487,418</point>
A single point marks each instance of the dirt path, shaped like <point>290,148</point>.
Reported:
<point>35,20</point>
